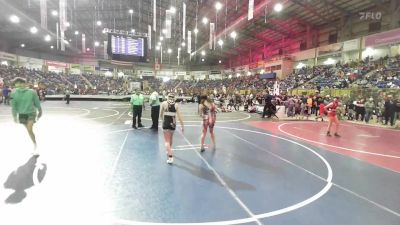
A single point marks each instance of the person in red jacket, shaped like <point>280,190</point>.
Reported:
<point>332,116</point>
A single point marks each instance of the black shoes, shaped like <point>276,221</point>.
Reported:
<point>329,134</point>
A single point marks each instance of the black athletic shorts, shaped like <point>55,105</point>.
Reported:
<point>24,118</point>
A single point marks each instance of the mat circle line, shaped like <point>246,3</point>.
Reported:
<point>334,146</point>
<point>293,207</point>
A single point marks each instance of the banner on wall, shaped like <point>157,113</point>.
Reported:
<point>167,73</point>
<point>180,73</point>
<point>244,68</point>
<point>8,56</point>
<point>330,49</point>
<point>75,66</point>
<point>30,63</point>
<point>228,71</point>
<point>385,38</point>
<point>104,69</point>
<point>57,64</point>
<point>28,60</point>
<point>351,45</point>
<point>145,73</point>
<point>199,73</point>
<point>88,68</point>
<point>268,76</point>
<point>253,66</point>
<point>303,55</point>
<point>215,72</point>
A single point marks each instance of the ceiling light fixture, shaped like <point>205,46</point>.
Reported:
<point>34,30</point>
<point>14,19</point>
<point>47,38</point>
<point>218,6</point>
<point>278,7</point>
<point>204,20</point>
<point>233,34</point>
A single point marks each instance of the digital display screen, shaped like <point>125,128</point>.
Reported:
<point>122,45</point>
<point>127,48</point>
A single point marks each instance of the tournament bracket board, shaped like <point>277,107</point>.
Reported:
<point>127,48</point>
<point>124,45</point>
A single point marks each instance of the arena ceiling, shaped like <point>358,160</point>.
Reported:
<point>267,28</point>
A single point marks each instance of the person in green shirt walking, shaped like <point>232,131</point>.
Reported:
<point>26,108</point>
<point>137,102</point>
<point>155,109</point>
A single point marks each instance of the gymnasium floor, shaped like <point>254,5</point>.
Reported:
<point>94,169</point>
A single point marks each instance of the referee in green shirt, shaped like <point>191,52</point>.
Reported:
<point>137,102</point>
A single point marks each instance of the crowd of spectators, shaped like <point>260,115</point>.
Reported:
<point>386,74</point>
<point>382,73</point>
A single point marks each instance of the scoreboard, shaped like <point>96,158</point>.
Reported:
<point>121,45</point>
<point>127,48</point>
